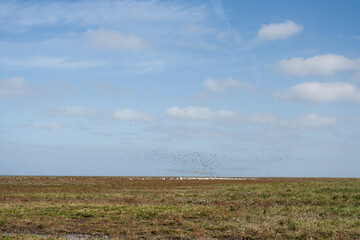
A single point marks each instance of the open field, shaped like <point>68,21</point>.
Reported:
<point>158,208</point>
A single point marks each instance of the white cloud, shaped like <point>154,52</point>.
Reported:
<point>112,39</point>
<point>317,92</point>
<point>12,87</point>
<point>276,31</point>
<point>318,65</point>
<point>48,62</point>
<point>73,111</point>
<point>223,85</point>
<point>133,115</point>
<point>48,125</point>
<point>198,113</point>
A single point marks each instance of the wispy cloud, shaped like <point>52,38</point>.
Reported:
<point>51,89</point>
<point>317,92</point>
<point>146,66</point>
<point>12,87</point>
<point>203,37</point>
<point>229,37</point>
<point>72,111</point>
<point>46,125</point>
<point>112,39</point>
<point>15,16</point>
<point>188,132</point>
<point>196,29</point>
<point>133,115</point>
<point>223,85</point>
<point>104,134</point>
<point>47,62</point>
<point>318,65</point>
<point>355,119</point>
<point>276,31</point>
<point>310,121</point>
<point>356,77</point>
<point>206,114</point>
<point>198,113</point>
<point>106,87</point>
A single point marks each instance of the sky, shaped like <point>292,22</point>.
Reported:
<point>180,88</point>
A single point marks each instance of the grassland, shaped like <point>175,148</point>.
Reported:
<point>117,208</point>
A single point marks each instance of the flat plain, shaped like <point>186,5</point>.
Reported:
<point>179,208</point>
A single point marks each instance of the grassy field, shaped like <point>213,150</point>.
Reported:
<point>133,208</point>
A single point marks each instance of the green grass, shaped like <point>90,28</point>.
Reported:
<point>34,207</point>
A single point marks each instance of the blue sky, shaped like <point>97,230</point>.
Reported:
<point>209,88</point>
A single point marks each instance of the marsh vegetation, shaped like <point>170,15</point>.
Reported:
<point>158,208</point>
